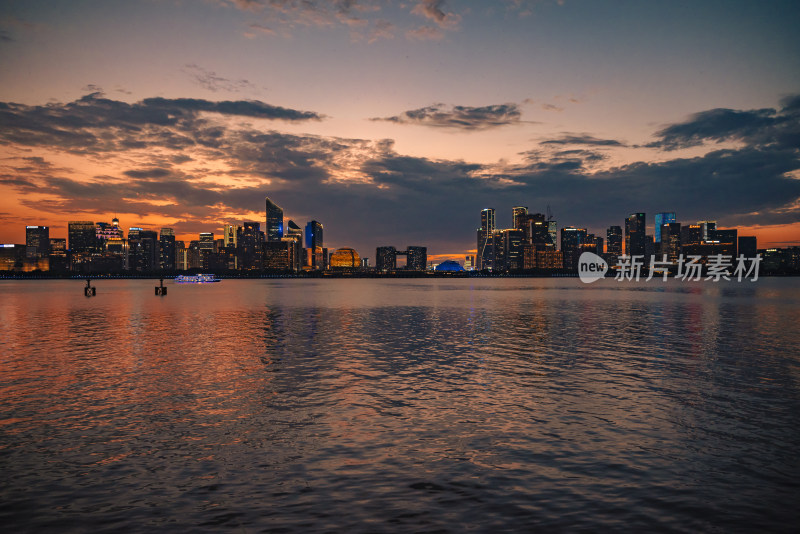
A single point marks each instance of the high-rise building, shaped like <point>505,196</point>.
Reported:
<point>614,241</point>
<point>37,241</point>
<point>635,232</point>
<point>181,259</point>
<point>148,259</point>
<point>314,244</point>
<point>572,240</point>
<point>386,259</point>
<point>519,217</point>
<point>166,249</point>
<point>295,234</point>
<point>691,235</point>
<point>279,255</point>
<point>250,248</point>
<point>274,228</point>
<point>229,235</point>
<point>417,258</point>
<point>486,244</point>
<point>82,237</point>
<point>552,230</point>
<point>662,219</point>
<point>537,230</point>
<point>671,241</point>
<point>707,229</point>
<point>512,240</point>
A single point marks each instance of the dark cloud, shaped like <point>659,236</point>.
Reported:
<point>368,195</point>
<point>96,124</point>
<point>460,117</point>
<point>755,127</point>
<point>582,139</point>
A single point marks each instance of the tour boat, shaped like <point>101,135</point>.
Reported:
<point>196,279</point>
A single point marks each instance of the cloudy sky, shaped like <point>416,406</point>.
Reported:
<point>396,122</point>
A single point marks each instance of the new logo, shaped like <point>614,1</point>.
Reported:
<point>591,267</point>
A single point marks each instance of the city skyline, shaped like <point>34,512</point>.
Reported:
<point>394,123</point>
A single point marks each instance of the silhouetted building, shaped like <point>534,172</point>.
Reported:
<point>181,258</point>
<point>416,258</point>
<point>82,237</point>
<point>670,241</point>
<point>614,240</point>
<point>37,241</point>
<point>635,232</point>
<point>691,235</point>
<point>166,249</point>
<point>571,241</point>
<point>274,229</point>
<point>386,259</point>
<point>250,248</point>
<point>748,246</point>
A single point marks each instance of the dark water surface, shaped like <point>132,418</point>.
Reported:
<point>400,405</point>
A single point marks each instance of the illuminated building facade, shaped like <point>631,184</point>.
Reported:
<point>614,240</point>
<point>37,241</point>
<point>662,219</point>
<point>486,244</point>
<point>345,258</point>
<point>572,240</point>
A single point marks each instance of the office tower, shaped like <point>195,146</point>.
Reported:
<point>670,241</point>
<point>82,237</point>
<point>649,246</point>
<point>662,219</point>
<point>417,258</point>
<point>512,241</point>
<point>274,228</point>
<point>37,241</point>
<point>552,230</point>
<point>58,246</point>
<point>295,233</point>
<point>279,255</point>
<point>571,240</point>
<point>250,248</point>
<point>181,260</point>
<point>229,235</point>
<point>166,249</point>
<point>486,248</point>
<point>724,241</point>
<point>635,232</point>
<point>691,235</point>
<point>105,231</point>
<point>707,229</point>
<point>314,244</point>
<point>194,259</point>
<point>614,240</point>
<point>537,230</point>
<point>148,259</point>
<point>385,259</point>
<point>747,246</point>
<point>519,216</point>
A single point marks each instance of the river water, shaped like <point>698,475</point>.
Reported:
<point>400,405</point>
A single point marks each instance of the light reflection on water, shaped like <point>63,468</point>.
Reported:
<point>400,405</point>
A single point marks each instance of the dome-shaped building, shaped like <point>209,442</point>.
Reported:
<point>345,258</point>
<point>449,266</point>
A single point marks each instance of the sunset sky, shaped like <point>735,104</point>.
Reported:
<point>395,123</point>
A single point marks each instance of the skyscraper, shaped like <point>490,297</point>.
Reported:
<point>166,249</point>
<point>571,241</point>
<point>37,241</point>
<point>386,259</point>
<point>662,219</point>
<point>314,244</point>
<point>635,231</point>
<point>519,217</point>
<point>417,258</point>
<point>614,240</point>
<point>274,228</point>
<point>671,241</point>
<point>486,251</point>
<point>82,237</point>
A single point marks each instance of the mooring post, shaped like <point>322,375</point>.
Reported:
<point>89,291</point>
<point>160,289</point>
